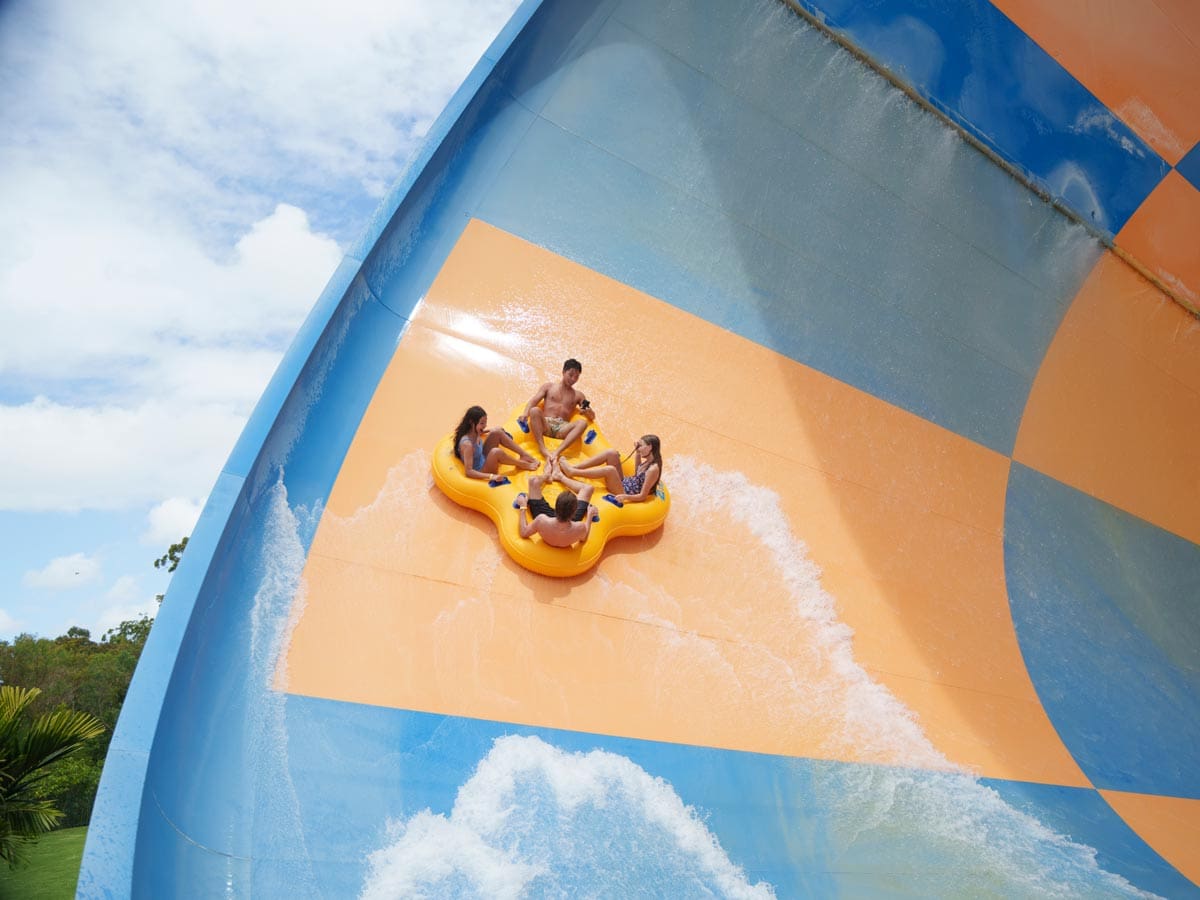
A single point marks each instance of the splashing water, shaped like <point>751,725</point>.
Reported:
<point>940,828</point>
<point>534,820</point>
<point>278,603</point>
<point>943,830</point>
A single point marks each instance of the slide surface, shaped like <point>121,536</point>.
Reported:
<point>922,618</point>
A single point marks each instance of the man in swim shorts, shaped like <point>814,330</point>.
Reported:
<point>567,522</point>
<point>549,412</point>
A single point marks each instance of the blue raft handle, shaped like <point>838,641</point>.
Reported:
<point>613,500</point>
<point>496,482</point>
<point>523,423</point>
<point>591,436</point>
<point>516,503</point>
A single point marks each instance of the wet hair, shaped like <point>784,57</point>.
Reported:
<point>573,364</point>
<point>655,453</point>
<point>470,419</point>
<point>565,506</point>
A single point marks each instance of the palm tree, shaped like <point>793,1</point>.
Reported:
<point>27,748</point>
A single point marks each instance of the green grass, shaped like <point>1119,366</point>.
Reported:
<point>51,870</point>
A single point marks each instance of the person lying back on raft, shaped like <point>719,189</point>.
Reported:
<point>482,451</point>
<point>570,519</point>
<point>607,465</point>
<point>549,411</point>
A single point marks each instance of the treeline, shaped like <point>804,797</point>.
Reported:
<point>76,673</point>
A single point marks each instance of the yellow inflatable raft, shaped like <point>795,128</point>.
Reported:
<point>497,501</point>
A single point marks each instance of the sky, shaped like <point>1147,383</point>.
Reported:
<point>178,181</point>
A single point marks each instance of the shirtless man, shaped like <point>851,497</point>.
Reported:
<point>549,412</point>
<point>567,522</point>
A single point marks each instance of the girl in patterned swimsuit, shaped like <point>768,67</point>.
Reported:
<point>607,465</point>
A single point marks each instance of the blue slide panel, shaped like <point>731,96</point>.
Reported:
<point>843,829</point>
<point>1189,167</point>
<point>971,62</point>
<point>925,250</point>
<point>384,747</point>
<point>1082,816</point>
<point>1104,608</point>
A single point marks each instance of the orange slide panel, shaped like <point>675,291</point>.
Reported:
<point>716,630</point>
<point>1171,825</point>
<point>1115,408</point>
<point>1162,236</point>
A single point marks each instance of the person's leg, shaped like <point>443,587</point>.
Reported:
<point>537,427</point>
<point>537,505</point>
<point>582,491</point>
<point>603,458</point>
<point>494,456</point>
<point>569,435</point>
<point>609,472</point>
<point>498,438</point>
<point>536,483</point>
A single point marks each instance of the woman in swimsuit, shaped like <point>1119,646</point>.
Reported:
<point>607,465</point>
<point>482,451</point>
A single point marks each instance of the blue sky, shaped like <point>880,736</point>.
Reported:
<point>179,180</point>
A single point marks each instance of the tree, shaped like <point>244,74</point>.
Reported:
<point>170,560</point>
<point>131,631</point>
<point>73,672</point>
<point>172,556</point>
<point>28,747</point>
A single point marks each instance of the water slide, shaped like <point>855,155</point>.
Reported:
<point>905,289</point>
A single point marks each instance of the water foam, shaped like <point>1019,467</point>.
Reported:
<point>535,820</point>
<point>849,703</point>
<point>920,821</point>
<point>278,602</point>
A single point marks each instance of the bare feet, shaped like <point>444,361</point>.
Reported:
<point>528,463</point>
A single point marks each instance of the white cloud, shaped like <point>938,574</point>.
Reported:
<point>137,303</point>
<point>114,614</point>
<point>123,590</point>
<point>64,573</point>
<point>125,599</point>
<point>150,273</point>
<point>8,624</point>
<point>111,457</point>
<point>308,93</point>
<point>171,520</point>
<point>173,348</point>
<point>177,180</point>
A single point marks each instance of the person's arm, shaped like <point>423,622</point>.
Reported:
<point>585,407</point>
<point>524,526</point>
<point>648,486</point>
<point>534,401</point>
